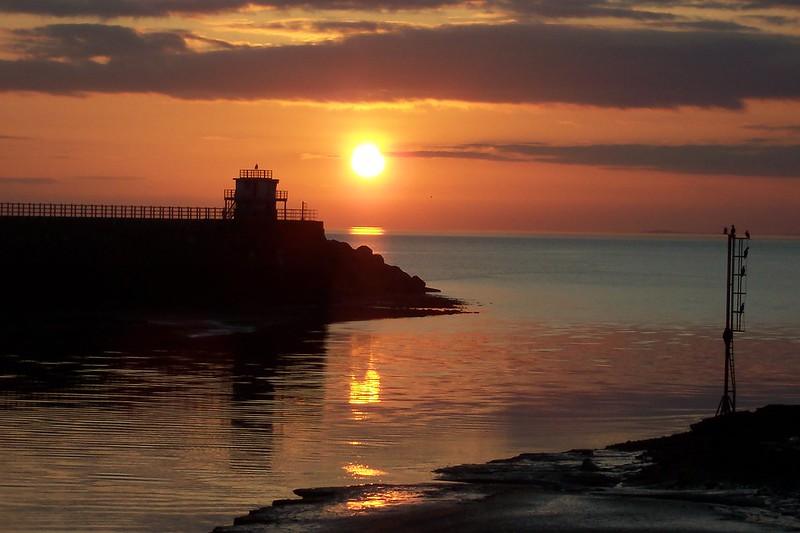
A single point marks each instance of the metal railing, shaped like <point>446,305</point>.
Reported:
<point>109,211</point>
<point>255,173</point>
<point>297,214</point>
<point>10,209</point>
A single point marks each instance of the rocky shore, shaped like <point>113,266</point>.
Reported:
<point>736,473</point>
<point>758,448</point>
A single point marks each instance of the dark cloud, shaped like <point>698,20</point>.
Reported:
<point>84,41</point>
<point>153,8</point>
<point>710,159</point>
<point>562,9</point>
<point>628,9</point>
<point>14,138</point>
<point>513,63</point>
<point>710,25</point>
<point>775,20</point>
<point>732,5</point>
<point>766,4</point>
<point>481,152</point>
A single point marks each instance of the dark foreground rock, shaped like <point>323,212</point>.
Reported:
<point>737,473</point>
<point>760,448</point>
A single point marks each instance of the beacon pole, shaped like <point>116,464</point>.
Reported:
<point>726,405</point>
<point>735,291</point>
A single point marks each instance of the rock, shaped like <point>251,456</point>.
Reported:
<point>588,466</point>
<point>750,448</point>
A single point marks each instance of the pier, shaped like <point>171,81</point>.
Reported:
<point>255,196</point>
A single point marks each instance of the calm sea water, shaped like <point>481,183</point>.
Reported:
<point>577,342</point>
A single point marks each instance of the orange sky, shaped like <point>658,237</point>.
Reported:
<point>493,117</point>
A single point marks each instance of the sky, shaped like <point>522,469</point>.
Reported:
<point>493,115</point>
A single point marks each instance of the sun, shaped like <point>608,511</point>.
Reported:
<point>367,161</point>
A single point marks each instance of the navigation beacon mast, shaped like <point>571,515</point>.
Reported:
<point>735,291</point>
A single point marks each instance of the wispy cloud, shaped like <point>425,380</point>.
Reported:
<point>107,178</point>
<point>750,159</point>
<point>775,128</point>
<point>27,181</point>
<point>37,180</point>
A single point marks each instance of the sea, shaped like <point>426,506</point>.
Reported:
<point>570,341</point>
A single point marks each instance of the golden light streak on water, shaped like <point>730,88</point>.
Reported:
<point>359,470</point>
<point>383,498</point>
<point>366,230</point>
<point>366,390</point>
<point>373,502</point>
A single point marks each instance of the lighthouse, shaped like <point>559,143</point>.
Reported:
<point>255,197</point>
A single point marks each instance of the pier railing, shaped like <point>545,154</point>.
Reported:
<point>10,209</point>
<point>297,214</point>
<point>109,211</point>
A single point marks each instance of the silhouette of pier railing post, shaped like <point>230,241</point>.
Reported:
<point>735,291</point>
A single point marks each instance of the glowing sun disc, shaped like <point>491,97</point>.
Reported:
<point>367,160</point>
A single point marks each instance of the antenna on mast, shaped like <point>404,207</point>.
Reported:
<point>735,291</point>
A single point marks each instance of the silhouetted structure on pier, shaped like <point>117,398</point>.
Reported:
<point>255,198</point>
<point>735,291</point>
<point>252,253</point>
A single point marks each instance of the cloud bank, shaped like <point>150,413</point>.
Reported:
<point>628,9</point>
<point>510,63</point>
<point>153,8</point>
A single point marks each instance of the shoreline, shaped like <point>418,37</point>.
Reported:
<point>636,486</point>
<point>186,326</point>
<point>432,507</point>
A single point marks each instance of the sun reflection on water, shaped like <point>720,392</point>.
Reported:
<point>366,390</point>
<point>359,470</point>
<point>371,502</point>
<point>383,498</point>
<point>366,230</point>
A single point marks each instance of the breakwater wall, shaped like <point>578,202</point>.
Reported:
<point>100,264</point>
